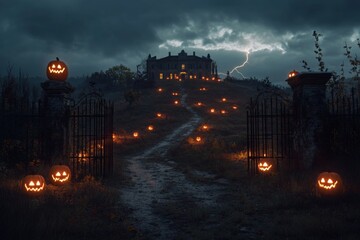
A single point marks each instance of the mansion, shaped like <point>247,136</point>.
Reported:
<point>181,66</point>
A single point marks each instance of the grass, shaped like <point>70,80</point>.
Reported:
<point>83,210</point>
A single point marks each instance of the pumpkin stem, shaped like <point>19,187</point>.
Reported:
<point>57,59</point>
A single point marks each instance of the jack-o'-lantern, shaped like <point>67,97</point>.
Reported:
<point>135,134</point>
<point>223,112</point>
<point>150,128</point>
<point>223,99</point>
<point>57,70</point>
<point>264,166</point>
<point>329,184</point>
<point>160,89</point>
<point>33,184</point>
<point>60,175</point>
<point>293,74</point>
<point>212,110</point>
<point>176,102</point>
<point>198,139</point>
<point>234,107</point>
<point>205,127</point>
<point>199,103</point>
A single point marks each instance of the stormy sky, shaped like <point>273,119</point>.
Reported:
<point>95,35</point>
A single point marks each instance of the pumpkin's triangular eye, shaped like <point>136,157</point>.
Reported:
<point>58,174</point>
<point>330,181</point>
<point>59,66</point>
<point>64,173</point>
<point>53,66</point>
<point>265,164</point>
<point>31,183</point>
<point>322,180</point>
<point>38,183</point>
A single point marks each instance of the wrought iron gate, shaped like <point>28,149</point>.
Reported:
<point>90,137</point>
<point>269,131</point>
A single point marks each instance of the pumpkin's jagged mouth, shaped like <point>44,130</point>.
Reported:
<point>34,189</point>
<point>51,70</point>
<point>328,187</point>
<point>56,179</point>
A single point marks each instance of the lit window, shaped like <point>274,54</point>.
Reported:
<point>191,77</point>
<point>171,76</point>
<point>182,66</point>
<point>161,76</point>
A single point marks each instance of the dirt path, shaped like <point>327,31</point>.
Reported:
<point>156,181</point>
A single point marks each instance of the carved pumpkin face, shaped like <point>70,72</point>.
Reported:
<point>329,183</point>
<point>264,166</point>
<point>293,74</point>
<point>57,70</point>
<point>33,184</point>
<point>60,174</point>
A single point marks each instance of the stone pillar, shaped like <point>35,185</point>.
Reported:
<point>55,110</point>
<point>309,102</point>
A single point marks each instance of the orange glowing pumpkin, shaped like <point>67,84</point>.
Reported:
<point>150,128</point>
<point>33,184</point>
<point>57,70</point>
<point>60,175</point>
<point>135,134</point>
<point>198,139</point>
<point>264,166</point>
<point>293,74</point>
<point>329,184</point>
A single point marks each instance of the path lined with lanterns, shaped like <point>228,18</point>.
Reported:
<point>155,179</point>
<point>155,176</point>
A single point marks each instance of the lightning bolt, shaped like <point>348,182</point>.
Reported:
<point>236,69</point>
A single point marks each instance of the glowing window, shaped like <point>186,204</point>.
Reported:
<point>171,76</point>
<point>182,66</point>
<point>161,76</point>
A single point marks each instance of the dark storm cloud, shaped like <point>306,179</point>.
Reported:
<point>93,35</point>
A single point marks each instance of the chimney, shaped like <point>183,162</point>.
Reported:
<point>193,53</point>
<point>169,54</point>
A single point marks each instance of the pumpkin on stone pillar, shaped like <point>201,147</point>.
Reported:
<point>57,70</point>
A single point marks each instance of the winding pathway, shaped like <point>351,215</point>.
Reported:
<point>155,182</point>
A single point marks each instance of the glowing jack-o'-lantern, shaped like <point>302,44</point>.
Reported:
<point>264,166</point>
<point>212,110</point>
<point>60,174</point>
<point>57,70</point>
<point>293,74</point>
<point>329,184</point>
<point>33,184</point>
<point>135,134</point>
<point>150,128</point>
<point>223,99</point>
<point>198,139</point>
<point>205,127</point>
<point>176,102</point>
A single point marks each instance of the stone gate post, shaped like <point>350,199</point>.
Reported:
<point>55,115</point>
<point>309,102</point>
